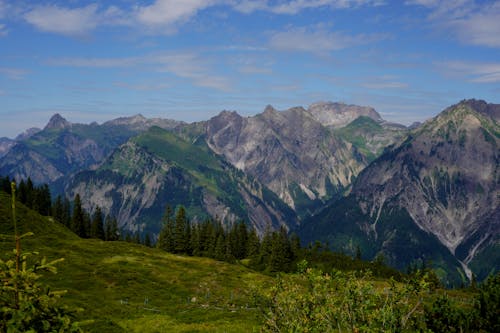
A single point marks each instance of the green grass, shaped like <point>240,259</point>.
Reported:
<point>111,281</point>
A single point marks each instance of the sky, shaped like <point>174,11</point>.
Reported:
<point>190,59</point>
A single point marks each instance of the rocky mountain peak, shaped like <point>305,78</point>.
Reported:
<point>57,122</point>
<point>340,114</point>
<point>27,134</point>
<point>270,110</point>
<point>487,109</point>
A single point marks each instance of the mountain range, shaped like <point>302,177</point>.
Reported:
<point>331,172</point>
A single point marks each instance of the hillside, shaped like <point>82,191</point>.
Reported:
<point>125,287</point>
<point>62,148</point>
<point>432,197</point>
<point>158,168</point>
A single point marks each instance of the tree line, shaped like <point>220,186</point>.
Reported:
<point>73,216</point>
<point>274,251</point>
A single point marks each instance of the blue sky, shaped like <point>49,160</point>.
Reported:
<point>188,60</point>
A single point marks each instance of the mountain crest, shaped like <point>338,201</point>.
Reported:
<point>480,106</point>
<point>340,114</point>
<point>57,122</point>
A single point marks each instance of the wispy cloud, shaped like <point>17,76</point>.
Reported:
<point>318,40</point>
<point>471,22</point>
<point>296,6</point>
<point>161,16</point>
<point>384,82</point>
<point>13,73</point>
<point>164,13</point>
<point>474,72</point>
<point>78,21</point>
<point>184,65</point>
<point>3,30</point>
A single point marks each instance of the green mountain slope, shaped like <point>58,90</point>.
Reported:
<point>125,287</point>
<point>435,194</point>
<point>159,168</point>
<point>371,137</point>
<point>62,148</point>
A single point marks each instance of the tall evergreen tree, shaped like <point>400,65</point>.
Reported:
<point>181,237</point>
<point>253,244</point>
<point>97,227</point>
<point>166,236</point>
<point>112,233</point>
<point>147,240</point>
<point>78,218</point>
<point>58,209</point>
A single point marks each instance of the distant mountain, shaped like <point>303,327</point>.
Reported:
<point>371,137</point>
<point>5,145</point>
<point>298,153</point>
<point>158,168</point>
<point>339,114</point>
<point>62,148</point>
<point>434,196</point>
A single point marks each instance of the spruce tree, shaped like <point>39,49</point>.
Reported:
<point>112,232</point>
<point>147,240</point>
<point>181,239</point>
<point>166,236</point>
<point>78,219</point>
<point>253,244</point>
<point>97,227</point>
<point>58,209</point>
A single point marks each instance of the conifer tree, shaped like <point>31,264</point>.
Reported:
<point>58,210</point>
<point>166,236</point>
<point>97,227</point>
<point>112,232</point>
<point>147,240</point>
<point>78,219</point>
<point>181,238</point>
<point>253,244</point>
<point>280,257</point>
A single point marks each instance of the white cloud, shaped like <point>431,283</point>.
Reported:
<point>13,73</point>
<point>160,16</point>
<point>385,85</point>
<point>167,12</point>
<point>475,72</point>
<point>318,40</point>
<point>471,22</point>
<point>3,30</point>
<point>296,6</point>
<point>66,21</point>
<point>184,65</point>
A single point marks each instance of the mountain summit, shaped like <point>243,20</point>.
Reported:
<point>57,122</point>
<point>433,195</point>
<point>340,114</point>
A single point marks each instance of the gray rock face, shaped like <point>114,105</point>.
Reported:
<point>139,123</point>
<point>339,114</point>
<point>291,152</point>
<point>5,145</point>
<point>135,185</point>
<point>446,175</point>
<point>63,148</point>
<point>57,122</point>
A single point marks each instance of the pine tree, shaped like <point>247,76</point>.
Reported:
<point>112,233</point>
<point>220,248</point>
<point>181,239</point>
<point>166,236</point>
<point>147,240</point>
<point>253,244</point>
<point>78,219</point>
<point>97,227</point>
<point>58,210</point>
<point>280,258</point>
